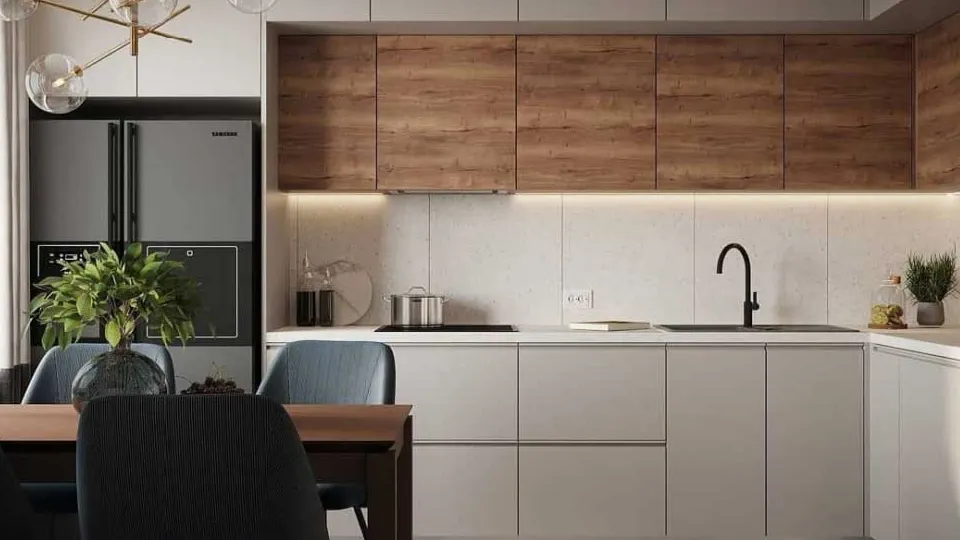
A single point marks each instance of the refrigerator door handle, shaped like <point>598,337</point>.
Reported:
<point>115,233</point>
<point>133,167</point>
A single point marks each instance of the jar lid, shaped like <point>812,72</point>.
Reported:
<point>894,279</point>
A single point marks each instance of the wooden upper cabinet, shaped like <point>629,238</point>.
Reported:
<point>328,113</point>
<point>938,107</point>
<point>848,112</point>
<point>447,112</point>
<point>720,113</point>
<point>585,113</point>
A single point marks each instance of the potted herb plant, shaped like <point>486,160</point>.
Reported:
<point>930,280</point>
<point>121,294</point>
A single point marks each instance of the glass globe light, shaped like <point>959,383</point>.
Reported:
<point>143,13</point>
<point>55,83</point>
<point>16,10</point>
<point>253,7</point>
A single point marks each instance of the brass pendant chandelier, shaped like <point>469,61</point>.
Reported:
<point>55,82</point>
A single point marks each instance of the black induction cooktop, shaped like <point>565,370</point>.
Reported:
<point>452,328</point>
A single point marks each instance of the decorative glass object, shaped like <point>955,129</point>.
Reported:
<point>55,83</point>
<point>253,7</point>
<point>16,10</point>
<point>120,371</point>
<point>143,13</point>
<point>887,308</point>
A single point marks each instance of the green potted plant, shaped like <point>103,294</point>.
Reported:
<point>121,294</point>
<point>930,280</point>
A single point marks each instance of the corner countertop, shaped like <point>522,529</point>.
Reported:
<point>942,342</point>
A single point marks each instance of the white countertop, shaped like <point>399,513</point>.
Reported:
<point>943,342</point>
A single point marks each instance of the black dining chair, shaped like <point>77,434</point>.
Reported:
<point>194,468</point>
<point>17,520</point>
<point>51,384</point>
<point>334,373</point>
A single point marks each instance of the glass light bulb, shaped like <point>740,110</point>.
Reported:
<point>15,10</point>
<point>252,7</point>
<point>55,84</point>
<point>143,13</point>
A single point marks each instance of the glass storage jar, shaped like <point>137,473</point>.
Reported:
<point>887,307</point>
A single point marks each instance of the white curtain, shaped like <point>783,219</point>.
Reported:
<point>14,222</point>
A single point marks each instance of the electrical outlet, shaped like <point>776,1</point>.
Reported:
<point>578,298</point>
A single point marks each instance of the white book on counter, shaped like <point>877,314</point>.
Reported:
<point>610,326</point>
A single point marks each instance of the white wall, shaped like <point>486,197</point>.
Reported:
<point>506,259</point>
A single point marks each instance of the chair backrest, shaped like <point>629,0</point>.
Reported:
<point>194,467</point>
<point>332,373</point>
<point>17,520</point>
<point>53,379</point>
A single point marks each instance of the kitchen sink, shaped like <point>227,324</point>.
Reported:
<point>754,328</point>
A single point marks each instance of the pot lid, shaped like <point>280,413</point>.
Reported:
<point>412,293</point>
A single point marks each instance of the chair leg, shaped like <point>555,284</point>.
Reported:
<point>52,534</point>
<point>357,511</point>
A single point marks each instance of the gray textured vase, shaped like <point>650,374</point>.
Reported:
<point>117,371</point>
<point>930,313</point>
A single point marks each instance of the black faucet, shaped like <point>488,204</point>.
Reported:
<point>749,305</point>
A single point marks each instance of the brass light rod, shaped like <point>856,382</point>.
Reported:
<point>118,22</point>
<point>94,10</point>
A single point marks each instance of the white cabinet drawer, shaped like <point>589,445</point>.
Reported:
<point>444,10</point>
<point>459,392</point>
<point>465,491</point>
<point>593,10</point>
<point>584,491</point>
<point>592,393</point>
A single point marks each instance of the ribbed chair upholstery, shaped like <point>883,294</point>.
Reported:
<point>334,372</point>
<point>51,384</point>
<point>17,520</point>
<point>194,467</point>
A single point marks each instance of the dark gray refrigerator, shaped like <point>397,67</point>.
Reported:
<point>187,187</point>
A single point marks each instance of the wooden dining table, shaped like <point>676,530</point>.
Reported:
<point>361,444</point>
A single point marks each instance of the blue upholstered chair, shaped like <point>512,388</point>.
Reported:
<point>17,521</point>
<point>334,372</point>
<point>194,467</point>
<point>51,385</point>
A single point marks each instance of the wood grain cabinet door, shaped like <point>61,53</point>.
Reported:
<point>720,113</point>
<point>447,112</point>
<point>585,113</point>
<point>328,111</point>
<point>938,107</point>
<point>848,112</point>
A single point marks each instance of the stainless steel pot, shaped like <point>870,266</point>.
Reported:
<point>416,308</point>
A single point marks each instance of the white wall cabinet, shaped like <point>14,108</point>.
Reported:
<point>222,61</point>
<point>592,393</point>
<point>592,492</point>
<point>815,440</point>
<point>52,30</point>
<point>459,392</point>
<point>464,491</point>
<point>716,454</point>
<point>593,10</point>
<point>884,442</point>
<point>444,10</point>
<point>930,450</point>
<point>318,11</point>
<point>764,10</point>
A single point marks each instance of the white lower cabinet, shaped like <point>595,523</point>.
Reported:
<point>592,491</point>
<point>465,491</point>
<point>716,454</point>
<point>815,443</point>
<point>884,443</point>
<point>930,450</point>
